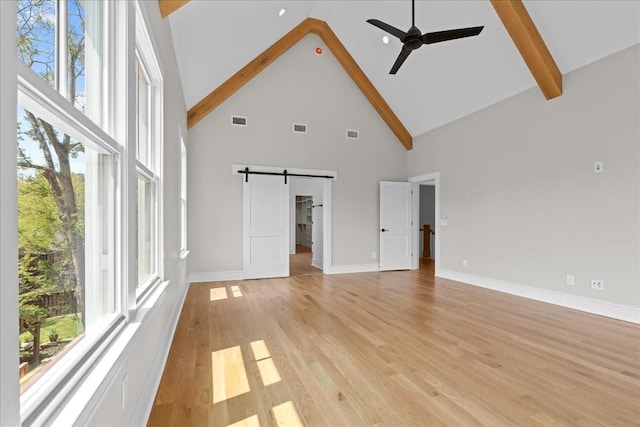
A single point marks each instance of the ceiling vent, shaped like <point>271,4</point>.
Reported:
<point>299,128</point>
<point>238,120</point>
<point>353,134</point>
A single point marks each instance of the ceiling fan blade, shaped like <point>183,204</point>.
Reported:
<point>404,53</point>
<point>442,36</point>
<point>388,28</point>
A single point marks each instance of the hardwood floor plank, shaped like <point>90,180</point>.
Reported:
<point>395,348</point>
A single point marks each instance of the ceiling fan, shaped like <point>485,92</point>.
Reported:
<point>413,39</point>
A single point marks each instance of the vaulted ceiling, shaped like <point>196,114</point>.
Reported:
<point>438,83</point>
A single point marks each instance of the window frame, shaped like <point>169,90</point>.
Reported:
<point>184,251</point>
<point>37,96</point>
<point>145,56</point>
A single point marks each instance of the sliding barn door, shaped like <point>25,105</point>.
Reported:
<point>265,227</point>
<point>395,226</point>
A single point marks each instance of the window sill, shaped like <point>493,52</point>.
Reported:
<point>152,299</point>
<point>146,290</point>
<point>86,395</point>
<point>184,254</point>
<point>43,401</point>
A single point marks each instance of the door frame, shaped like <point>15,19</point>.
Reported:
<point>415,217</point>
<point>327,190</point>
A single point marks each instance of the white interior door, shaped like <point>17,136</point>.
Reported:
<point>265,227</point>
<point>395,225</point>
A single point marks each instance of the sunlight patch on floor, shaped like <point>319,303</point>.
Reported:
<point>286,415</point>
<point>260,350</point>
<point>268,371</point>
<point>228,374</point>
<point>236,292</point>
<point>216,294</point>
<point>252,421</point>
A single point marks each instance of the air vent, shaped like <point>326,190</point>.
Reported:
<point>353,134</point>
<point>238,120</point>
<point>299,128</point>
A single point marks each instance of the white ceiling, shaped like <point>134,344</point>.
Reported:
<point>438,83</point>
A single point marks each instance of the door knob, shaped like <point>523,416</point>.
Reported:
<point>384,229</point>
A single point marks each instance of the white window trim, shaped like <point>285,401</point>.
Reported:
<point>35,95</point>
<point>42,402</point>
<point>145,52</point>
<point>184,241</point>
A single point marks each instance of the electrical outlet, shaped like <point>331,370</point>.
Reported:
<point>465,263</point>
<point>598,167</point>
<point>571,280</point>
<point>597,284</point>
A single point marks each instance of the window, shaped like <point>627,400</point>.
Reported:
<point>67,180</point>
<point>60,41</point>
<point>146,233</point>
<point>183,199</point>
<point>75,181</point>
<point>85,197</point>
<point>144,152</point>
<point>65,229</point>
<point>148,148</point>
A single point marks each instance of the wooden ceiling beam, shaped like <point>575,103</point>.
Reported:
<point>167,7</point>
<point>266,58</point>
<point>534,51</point>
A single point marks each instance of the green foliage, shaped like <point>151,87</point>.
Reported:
<point>45,264</point>
<point>67,326</point>
<point>38,221</point>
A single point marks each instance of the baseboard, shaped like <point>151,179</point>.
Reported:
<point>317,263</point>
<point>353,268</point>
<point>143,409</point>
<point>216,276</point>
<point>589,305</point>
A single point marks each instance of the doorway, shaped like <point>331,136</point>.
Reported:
<point>426,212</point>
<point>304,223</point>
<point>427,224</point>
<point>269,217</point>
<point>306,226</point>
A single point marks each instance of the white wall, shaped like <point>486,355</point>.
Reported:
<point>536,211</point>
<point>299,87</point>
<point>9,361</point>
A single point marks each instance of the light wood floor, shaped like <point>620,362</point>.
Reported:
<point>395,348</point>
<point>300,264</point>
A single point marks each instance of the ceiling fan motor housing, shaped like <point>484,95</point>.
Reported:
<point>413,39</point>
